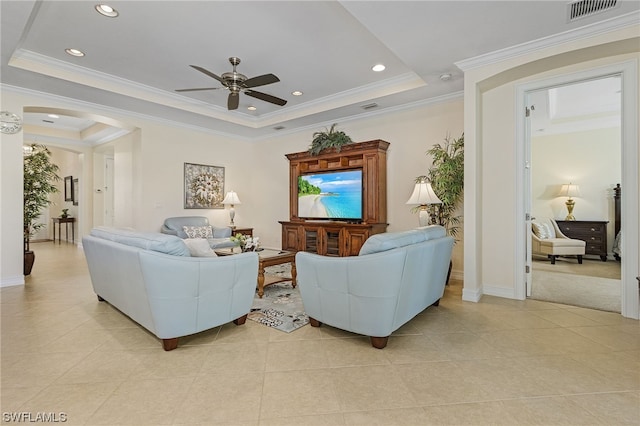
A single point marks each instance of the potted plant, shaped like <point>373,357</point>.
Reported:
<point>328,139</point>
<point>40,175</point>
<point>65,213</point>
<point>446,175</point>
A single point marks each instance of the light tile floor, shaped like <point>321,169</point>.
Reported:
<point>495,362</point>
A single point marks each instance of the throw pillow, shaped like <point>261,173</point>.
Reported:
<point>542,230</point>
<point>199,247</point>
<point>198,231</point>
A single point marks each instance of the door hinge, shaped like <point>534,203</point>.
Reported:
<point>527,110</point>
<point>527,269</point>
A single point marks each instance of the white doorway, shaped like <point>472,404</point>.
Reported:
<point>575,138</point>
<point>628,75</point>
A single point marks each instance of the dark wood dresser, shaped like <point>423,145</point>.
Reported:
<point>593,232</point>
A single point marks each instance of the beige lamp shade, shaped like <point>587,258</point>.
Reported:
<point>231,198</point>
<point>423,195</point>
<point>569,190</point>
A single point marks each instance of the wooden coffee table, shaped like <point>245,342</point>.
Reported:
<point>269,257</point>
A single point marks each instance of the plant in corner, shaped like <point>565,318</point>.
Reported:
<point>446,175</point>
<point>40,175</point>
<point>328,139</point>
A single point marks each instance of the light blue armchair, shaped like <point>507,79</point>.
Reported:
<point>221,235</point>
<point>395,277</point>
<point>152,278</point>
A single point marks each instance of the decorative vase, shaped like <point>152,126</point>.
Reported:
<point>29,259</point>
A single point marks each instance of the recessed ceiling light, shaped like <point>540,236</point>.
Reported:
<point>106,10</point>
<point>74,52</point>
<point>53,116</point>
<point>251,108</point>
<point>378,68</point>
<point>296,93</point>
<point>445,77</point>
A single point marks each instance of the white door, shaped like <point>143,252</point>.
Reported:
<point>529,110</point>
<point>108,191</point>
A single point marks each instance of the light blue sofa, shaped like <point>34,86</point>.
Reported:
<point>221,235</point>
<point>152,278</point>
<point>395,277</point>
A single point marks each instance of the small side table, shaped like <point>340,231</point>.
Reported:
<point>66,221</point>
<point>244,231</point>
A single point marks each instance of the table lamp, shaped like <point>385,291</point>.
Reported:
<point>231,198</point>
<point>424,196</point>
<point>570,190</point>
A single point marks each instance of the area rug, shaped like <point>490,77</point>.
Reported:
<point>280,308</point>
<point>587,292</point>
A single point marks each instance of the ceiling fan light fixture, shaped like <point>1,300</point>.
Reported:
<point>251,108</point>
<point>106,10</point>
<point>296,93</point>
<point>378,68</point>
<point>74,52</point>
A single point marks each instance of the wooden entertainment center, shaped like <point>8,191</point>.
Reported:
<point>339,238</point>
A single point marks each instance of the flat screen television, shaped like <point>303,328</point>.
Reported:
<point>333,195</point>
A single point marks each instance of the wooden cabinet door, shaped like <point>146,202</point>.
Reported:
<point>353,241</point>
<point>291,238</point>
<point>312,240</point>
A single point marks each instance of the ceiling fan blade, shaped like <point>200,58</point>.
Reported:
<point>260,80</point>
<point>265,97</point>
<point>207,72</point>
<point>233,101</point>
<point>196,89</point>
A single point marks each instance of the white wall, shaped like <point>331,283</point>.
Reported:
<point>410,134</point>
<point>149,167</point>
<point>491,172</point>
<point>590,159</point>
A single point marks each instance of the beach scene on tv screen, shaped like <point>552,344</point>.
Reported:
<point>336,195</point>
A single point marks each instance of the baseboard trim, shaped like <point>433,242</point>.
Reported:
<point>507,293</point>
<point>471,295</point>
<point>12,281</point>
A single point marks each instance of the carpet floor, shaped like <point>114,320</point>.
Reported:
<point>594,284</point>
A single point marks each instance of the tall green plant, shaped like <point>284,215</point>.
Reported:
<point>40,175</point>
<point>447,180</point>
<point>328,139</point>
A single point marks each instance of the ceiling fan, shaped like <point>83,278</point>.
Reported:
<point>236,83</point>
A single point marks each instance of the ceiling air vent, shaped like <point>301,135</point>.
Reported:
<point>583,8</point>
<point>369,106</point>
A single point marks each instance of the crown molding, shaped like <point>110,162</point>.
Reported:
<point>42,64</point>
<point>609,25</point>
<point>111,111</point>
<point>370,114</point>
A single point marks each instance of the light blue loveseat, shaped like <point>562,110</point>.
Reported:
<point>395,277</point>
<point>175,226</point>
<point>152,278</point>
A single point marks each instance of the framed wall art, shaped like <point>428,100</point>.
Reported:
<point>68,188</point>
<point>203,186</point>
